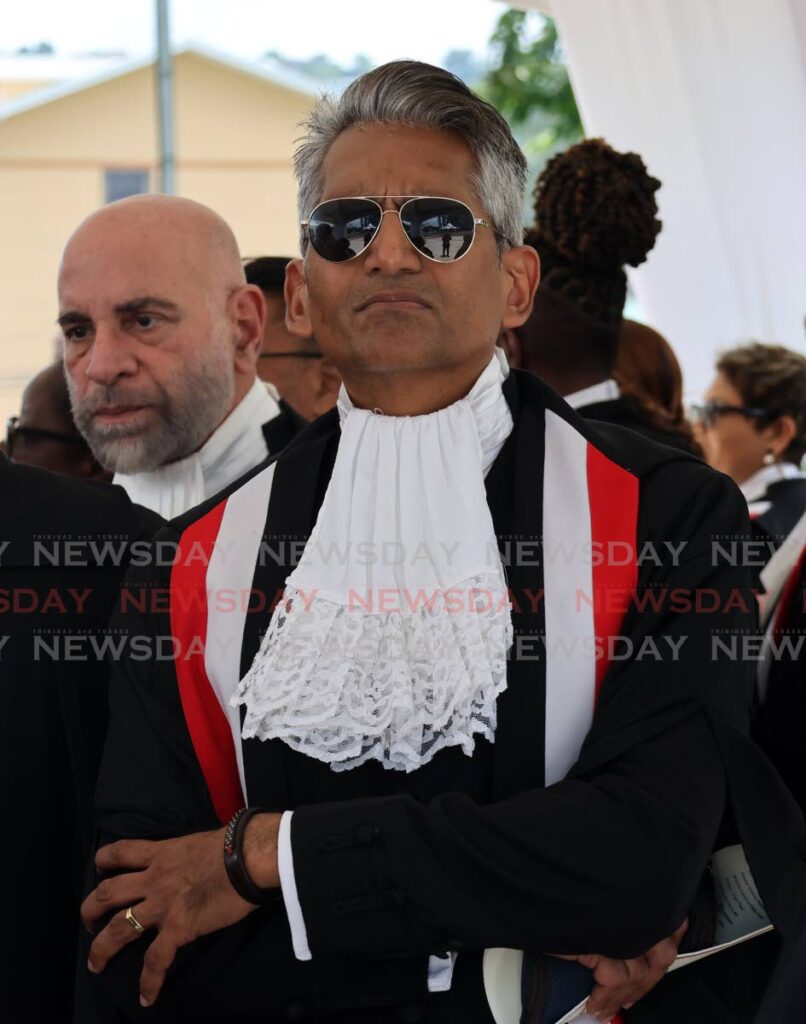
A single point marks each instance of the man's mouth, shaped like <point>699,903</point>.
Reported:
<point>398,300</point>
<point>117,413</point>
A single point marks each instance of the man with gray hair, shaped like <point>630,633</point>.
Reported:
<point>327,806</point>
<point>161,339</point>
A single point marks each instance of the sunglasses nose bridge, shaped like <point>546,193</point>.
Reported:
<point>398,246</point>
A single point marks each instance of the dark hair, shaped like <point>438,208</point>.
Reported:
<point>648,371</point>
<point>267,272</point>
<point>562,341</point>
<point>595,212</point>
<point>772,378</point>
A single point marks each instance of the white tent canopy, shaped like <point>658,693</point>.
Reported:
<point>712,94</point>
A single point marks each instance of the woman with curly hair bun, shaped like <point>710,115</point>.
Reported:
<point>752,426</point>
<point>595,213</point>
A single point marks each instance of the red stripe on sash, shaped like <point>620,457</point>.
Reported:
<point>206,721</point>
<point>613,498</point>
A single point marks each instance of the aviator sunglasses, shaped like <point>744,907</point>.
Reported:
<point>440,229</point>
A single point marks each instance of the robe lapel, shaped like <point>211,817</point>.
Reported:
<point>299,486</point>
<point>514,494</point>
<point>285,426</point>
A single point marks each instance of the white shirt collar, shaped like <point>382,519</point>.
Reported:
<point>234,448</point>
<point>604,391</point>
<point>755,486</point>
<point>493,418</point>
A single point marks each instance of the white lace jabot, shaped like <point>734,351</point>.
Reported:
<point>391,639</point>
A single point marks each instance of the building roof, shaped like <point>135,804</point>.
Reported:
<point>269,70</point>
<point>52,67</point>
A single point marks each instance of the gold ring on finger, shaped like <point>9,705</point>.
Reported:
<point>133,920</point>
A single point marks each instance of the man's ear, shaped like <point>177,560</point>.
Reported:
<point>521,267</point>
<point>297,311</point>
<point>509,340</point>
<point>248,306</point>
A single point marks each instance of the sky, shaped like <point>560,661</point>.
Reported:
<point>341,29</point>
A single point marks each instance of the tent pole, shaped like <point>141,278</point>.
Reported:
<point>165,106</point>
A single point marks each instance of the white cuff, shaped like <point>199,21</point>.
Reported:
<point>440,972</point>
<point>440,969</point>
<point>285,863</point>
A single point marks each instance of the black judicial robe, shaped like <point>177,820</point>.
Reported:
<point>279,431</point>
<point>467,852</point>
<point>780,720</point>
<point>626,412</point>
<point>779,725</point>
<point>58,587</point>
<point>786,501</point>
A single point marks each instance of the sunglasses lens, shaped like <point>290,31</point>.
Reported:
<point>442,229</point>
<point>342,228</point>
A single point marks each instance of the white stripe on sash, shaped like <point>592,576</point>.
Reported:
<point>231,570</point>
<point>568,595</point>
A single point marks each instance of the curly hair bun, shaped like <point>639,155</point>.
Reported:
<point>596,207</point>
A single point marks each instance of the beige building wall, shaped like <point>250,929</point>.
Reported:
<point>10,90</point>
<point>234,140</point>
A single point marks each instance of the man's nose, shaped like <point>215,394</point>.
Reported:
<point>391,252</point>
<point>110,356</point>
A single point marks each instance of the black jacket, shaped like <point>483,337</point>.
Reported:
<point>58,587</point>
<point>626,412</point>
<point>465,853</point>
<point>283,428</point>
<point>787,503</point>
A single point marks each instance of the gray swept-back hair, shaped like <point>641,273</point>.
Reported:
<point>423,96</point>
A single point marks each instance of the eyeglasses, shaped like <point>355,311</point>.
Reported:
<point>440,229</point>
<point>291,355</point>
<point>707,414</point>
<point>13,431</point>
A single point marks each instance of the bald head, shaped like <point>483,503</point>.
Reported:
<point>185,236</point>
<point>161,330</point>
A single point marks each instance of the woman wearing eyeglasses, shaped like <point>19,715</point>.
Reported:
<point>752,426</point>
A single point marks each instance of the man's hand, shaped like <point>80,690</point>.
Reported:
<point>178,887</point>
<point>621,983</point>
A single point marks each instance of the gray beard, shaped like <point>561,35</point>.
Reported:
<point>188,414</point>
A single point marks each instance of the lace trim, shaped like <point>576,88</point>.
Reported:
<point>346,685</point>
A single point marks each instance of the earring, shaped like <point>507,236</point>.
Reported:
<point>768,459</point>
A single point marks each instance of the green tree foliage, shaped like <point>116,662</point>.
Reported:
<point>464,65</point>
<point>528,82</point>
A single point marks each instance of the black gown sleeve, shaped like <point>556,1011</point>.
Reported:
<point>151,787</point>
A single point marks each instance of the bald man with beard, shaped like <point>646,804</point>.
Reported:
<point>161,339</point>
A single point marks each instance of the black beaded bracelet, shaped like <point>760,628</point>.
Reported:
<point>233,860</point>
